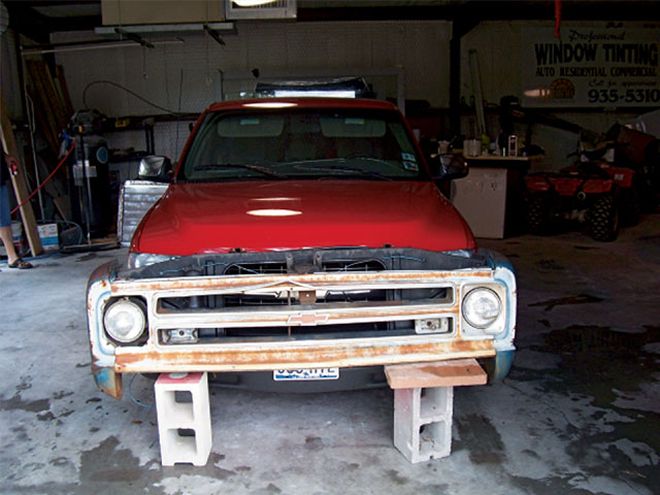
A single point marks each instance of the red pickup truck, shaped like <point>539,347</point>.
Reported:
<point>301,244</point>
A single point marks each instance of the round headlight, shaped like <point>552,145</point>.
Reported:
<point>481,307</point>
<point>124,321</point>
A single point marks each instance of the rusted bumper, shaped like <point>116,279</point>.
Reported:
<point>326,355</point>
<point>153,356</point>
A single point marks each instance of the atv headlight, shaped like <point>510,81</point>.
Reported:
<point>125,321</point>
<point>140,260</point>
<point>481,307</point>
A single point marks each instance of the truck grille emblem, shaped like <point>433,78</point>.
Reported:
<point>306,319</point>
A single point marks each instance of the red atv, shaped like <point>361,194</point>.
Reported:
<point>594,191</point>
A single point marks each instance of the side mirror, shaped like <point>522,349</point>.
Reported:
<point>448,167</point>
<point>155,168</point>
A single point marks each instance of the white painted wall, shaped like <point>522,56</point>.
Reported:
<point>187,77</point>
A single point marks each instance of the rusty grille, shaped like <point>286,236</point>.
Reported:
<point>409,312</point>
<point>298,307</point>
<point>441,295</point>
<point>282,333</point>
<point>325,295</point>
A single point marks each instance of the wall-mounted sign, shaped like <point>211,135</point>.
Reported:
<point>611,64</point>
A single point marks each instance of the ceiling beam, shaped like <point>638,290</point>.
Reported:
<point>28,21</point>
<point>53,3</point>
<point>485,10</point>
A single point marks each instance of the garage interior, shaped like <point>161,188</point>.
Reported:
<point>580,409</point>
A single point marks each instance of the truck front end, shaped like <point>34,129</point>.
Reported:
<point>301,240</point>
<point>317,310</point>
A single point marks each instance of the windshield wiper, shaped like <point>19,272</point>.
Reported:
<point>366,158</point>
<point>246,166</point>
<point>309,165</point>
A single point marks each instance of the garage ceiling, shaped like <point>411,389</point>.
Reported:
<point>38,18</point>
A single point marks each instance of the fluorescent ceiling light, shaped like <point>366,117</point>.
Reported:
<point>252,3</point>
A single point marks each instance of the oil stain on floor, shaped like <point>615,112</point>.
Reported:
<point>570,300</point>
<point>601,364</point>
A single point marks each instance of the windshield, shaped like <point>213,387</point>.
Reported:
<point>300,144</point>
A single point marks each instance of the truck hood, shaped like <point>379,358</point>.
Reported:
<point>283,215</point>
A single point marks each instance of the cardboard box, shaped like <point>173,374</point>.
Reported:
<point>49,236</point>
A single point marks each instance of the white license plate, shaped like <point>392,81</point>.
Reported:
<point>306,374</point>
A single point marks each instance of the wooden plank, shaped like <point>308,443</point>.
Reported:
<point>48,104</point>
<point>55,99</point>
<point>454,373</point>
<point>63,89</point>
<point>18,181</point>
<point>44,118</point>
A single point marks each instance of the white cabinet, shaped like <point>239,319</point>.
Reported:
<point>490,197</point>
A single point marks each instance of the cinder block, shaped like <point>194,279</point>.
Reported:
<point>184,418</point>
<point>422,422</point>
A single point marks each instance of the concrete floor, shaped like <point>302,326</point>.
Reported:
<point>579,414</point>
